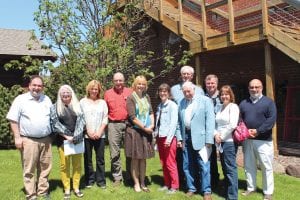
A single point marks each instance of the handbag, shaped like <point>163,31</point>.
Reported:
<point>241,133</point>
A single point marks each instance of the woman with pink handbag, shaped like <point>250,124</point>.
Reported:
<point>226,121</point>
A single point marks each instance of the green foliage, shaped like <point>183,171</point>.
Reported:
<point>6,98</point>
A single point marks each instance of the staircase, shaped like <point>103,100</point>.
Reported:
<point>184,18</point>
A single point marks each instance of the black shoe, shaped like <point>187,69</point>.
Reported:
<point>67,196</point>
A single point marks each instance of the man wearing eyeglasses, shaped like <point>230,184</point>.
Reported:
<point>29,117</point>
<point>259,115</point>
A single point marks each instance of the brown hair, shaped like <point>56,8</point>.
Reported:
<point>227,90</point>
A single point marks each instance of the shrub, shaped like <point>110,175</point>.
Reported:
<point>7,96</point>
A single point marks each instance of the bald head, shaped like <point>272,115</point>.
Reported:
<point>118,80</point>
<point>255,88</point>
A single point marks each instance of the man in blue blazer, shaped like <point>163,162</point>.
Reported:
<point>195,133</point>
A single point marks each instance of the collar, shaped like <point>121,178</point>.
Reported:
<point>215,95</point>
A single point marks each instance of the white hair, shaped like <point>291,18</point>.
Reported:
<point>188,84</point>
<point>187,68</point>
<point>74,104</point>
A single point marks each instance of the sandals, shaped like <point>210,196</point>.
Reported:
<point>78,194</point>
<point>144,188</point>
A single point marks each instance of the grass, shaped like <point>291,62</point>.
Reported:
<point>11,185</point>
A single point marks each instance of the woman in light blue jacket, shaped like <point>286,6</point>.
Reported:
<point>166,122</point>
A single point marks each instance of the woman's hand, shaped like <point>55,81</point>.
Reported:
<point>179,144</point>
<point>69,138</point>
<point>148,130</point>
<point>218,138</point>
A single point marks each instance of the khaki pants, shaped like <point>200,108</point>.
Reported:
<point>36,156</point>
<point>65,169</point>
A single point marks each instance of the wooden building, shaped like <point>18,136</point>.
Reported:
<point>15,44</point>
<point>237,40</point>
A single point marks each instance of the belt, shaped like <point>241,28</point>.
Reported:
<point>34,137</point>
<point>117,121</point>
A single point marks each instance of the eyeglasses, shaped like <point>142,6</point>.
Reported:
<point>66,96</point>
<point>254,87</point>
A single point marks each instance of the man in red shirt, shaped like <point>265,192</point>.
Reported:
<point>117,115</point>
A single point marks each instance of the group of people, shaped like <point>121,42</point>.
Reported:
<point>189,128</point>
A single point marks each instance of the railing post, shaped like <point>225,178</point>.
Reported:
<point>265,21</point>
<point>180,17</point>
<point>161,14</point>
<point>203,14</point>
<point>231,21</point>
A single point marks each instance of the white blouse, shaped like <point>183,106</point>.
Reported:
<point>226,121</point>
<point>95,113</point>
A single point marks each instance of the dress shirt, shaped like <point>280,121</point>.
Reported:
<point>33,116</point>
<point>188,113</point>
<point>116,102</point>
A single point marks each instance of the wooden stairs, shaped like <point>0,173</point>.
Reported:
<point>184,18</point>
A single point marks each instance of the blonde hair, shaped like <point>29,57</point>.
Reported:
<point>139,79</point>
<point>74,104</point>
<point>90,85</point>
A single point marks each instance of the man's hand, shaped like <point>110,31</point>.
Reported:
<point>252,133</point>
<point>218,138</point>
<point>179,144</point>
<point>19,143</point>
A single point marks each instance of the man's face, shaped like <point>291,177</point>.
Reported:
<point>255,88</point>
<point>36,87</point>
<point>188,93</point>
<point>211,85</point>
<point>186,76</point>
<point>118,82</point>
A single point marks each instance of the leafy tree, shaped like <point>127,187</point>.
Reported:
<point>96,38</point>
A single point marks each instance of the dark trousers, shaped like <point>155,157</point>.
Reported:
<point>90,175</point>
<point>214,174</point>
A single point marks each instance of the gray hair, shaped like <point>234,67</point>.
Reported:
<point>188,84</point>
<point>211,76</point>
<point>187,68</point>
<point>74,104</point>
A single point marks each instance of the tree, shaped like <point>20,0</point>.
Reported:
<point>96,38</point>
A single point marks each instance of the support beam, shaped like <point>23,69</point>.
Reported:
<point>198,67</point>
<point>216,5</point>
<point>203,15</point>
<point>231,21</point>
<point>265,20</point>
<point>180,28</point>
<point>161,14</point>
<point>270,87</point>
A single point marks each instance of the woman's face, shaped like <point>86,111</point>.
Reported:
<point>163,95</point>
<point>141,87</point>
<point>225,98</point>
<point>66,96</point>
<point>93,92</point>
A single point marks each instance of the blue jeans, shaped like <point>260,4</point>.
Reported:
<point>193,164</point>
<point>229,167</point>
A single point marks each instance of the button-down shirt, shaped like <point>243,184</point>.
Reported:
<point>32,116</point>
<point>116,103</point>
<point>188,113</point>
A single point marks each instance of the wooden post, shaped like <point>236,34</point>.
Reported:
<point>161,14</point>
<point>270,88</point>
<point>180,28</point>
<point>197,68</point>
<point>265,21</point>
<point>231,21</point>
<point>203,14</point>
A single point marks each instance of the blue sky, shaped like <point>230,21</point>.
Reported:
<point>18,14</point>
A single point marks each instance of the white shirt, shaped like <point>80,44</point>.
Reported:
<point>95,113</point>
<point>188,113</point>
<point>32,116</point>
<point>226,121</point>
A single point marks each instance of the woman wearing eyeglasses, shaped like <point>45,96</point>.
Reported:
<point>68,122</point>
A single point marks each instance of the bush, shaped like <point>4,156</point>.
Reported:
<point>7,96</point>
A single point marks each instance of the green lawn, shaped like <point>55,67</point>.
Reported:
<point>11,186</point>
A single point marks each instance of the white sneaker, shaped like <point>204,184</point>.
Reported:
<point>171,191</point>
<point>164,188</point>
